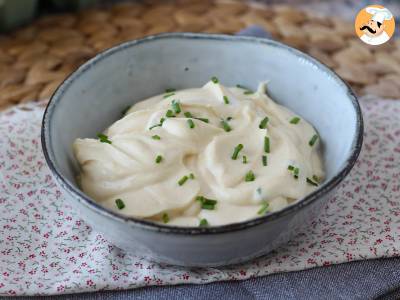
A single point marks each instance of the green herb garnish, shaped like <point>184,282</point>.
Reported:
<point>244,159</point>
<point>165,218</point>
<point>214,79</point>
<point>264,160</point>
<point>158,125</point>
<point>191,176</point>
<point>295,120</point>
<point>263,123</point>
<point>183,180</point>
<point>226,99</point>
<point>159,158</point>
<point>205,120</point>
<point>190,123</point>
<point>170,90</point>
<point>176,107</point>
<point>103,138</point>
<point>296,172</point>
<point>229,118</point>
<point>119,203</point>
<point>313,140</point>
<point>310,181</point>
<point>249,176</point>
<point>156,137</point>
<point>169,114</point>
<point>206,203</point>
<point>168,95</point>
<point>316,178</point>
<point>189,115</point>
<point>266,145</point>
<point>225,126</point>
<point>264,208</point>
<point>247,91</point>
<point>203,223</point>
<point>236,151</point>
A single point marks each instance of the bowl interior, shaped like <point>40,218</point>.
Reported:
<point>94,96</point>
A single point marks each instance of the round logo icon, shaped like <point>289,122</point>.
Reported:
<point>374,24</point>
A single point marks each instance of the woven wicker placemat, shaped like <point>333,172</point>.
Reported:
<point>35,59</point>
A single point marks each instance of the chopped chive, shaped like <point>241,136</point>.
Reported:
<point>203,223</point>
<point>266,144</point>
<point>159,158</point>
<point>290,168</point>
<point>264,160</point>
<point>189,115</point>
<point>176,107</point>
<point>311,182</point>
<point>295,120</point>
<point>313,140</point>
<point>119,203</point>
<point>125,110</point>
<point>170,90</point>
<point>165,218</point>
<point>214,79</point>
<point>191,176</point>
<point>249,176</point>
<point>226,126</point>
<point>205,120</point>
<point>244,159</point>
<point>206,203</point>
<point>229,118</point>
<point>190,123</point>
<point>156,137</point>
<point>158,125</point>
<point>264,208</point>
<point>168,95</point>
<point>296,172</point>
<point>263,123</point>
<point>103,138</point>
<point>169,114</point>
<point>316,178</point>
<point>236,151</point>
<point>226,99</point>
<point>247,91</point>
<point>183,180</point>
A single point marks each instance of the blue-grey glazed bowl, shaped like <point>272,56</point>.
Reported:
<point>93,97</point>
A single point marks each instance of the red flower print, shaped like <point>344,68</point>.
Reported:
<point>89,282</point>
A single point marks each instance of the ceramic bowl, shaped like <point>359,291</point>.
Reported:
<point>93,97</point>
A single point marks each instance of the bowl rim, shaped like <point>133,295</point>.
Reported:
<point>78,195</point>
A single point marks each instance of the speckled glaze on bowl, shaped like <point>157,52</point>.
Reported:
<point>92,98</point>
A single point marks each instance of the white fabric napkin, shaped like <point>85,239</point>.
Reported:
<point>46,249</point>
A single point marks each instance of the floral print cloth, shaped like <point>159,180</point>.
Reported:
<point>46,249</point>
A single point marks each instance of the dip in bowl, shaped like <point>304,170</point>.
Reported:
<point>93,97</point>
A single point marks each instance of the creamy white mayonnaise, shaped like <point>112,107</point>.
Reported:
<point>172,158</point>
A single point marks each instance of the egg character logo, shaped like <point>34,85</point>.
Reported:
<point>374,25</point>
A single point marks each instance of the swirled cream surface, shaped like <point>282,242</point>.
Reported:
<point>202,157</point>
